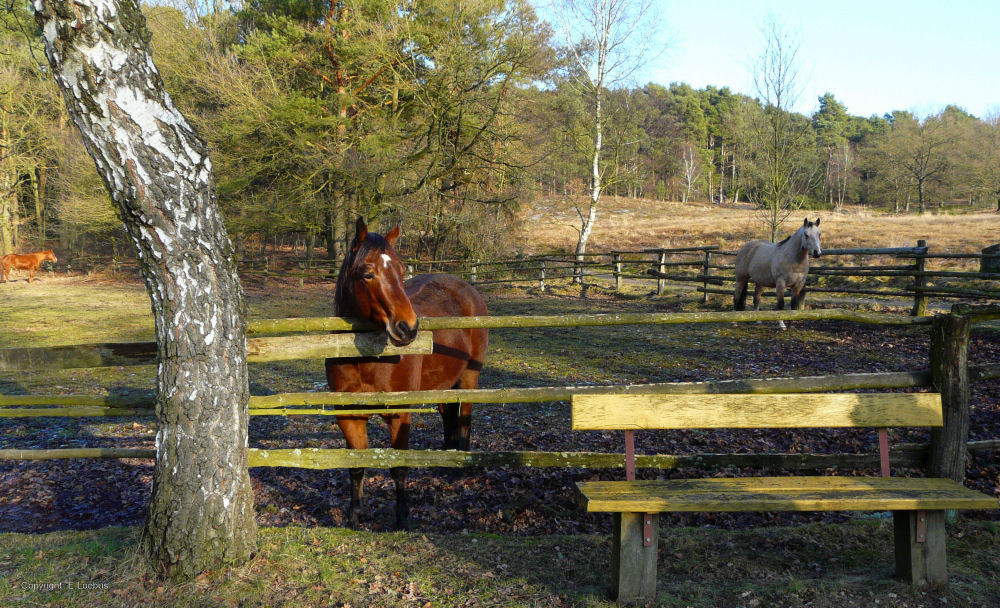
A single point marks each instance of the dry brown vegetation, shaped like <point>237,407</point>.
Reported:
<point>550,224</point>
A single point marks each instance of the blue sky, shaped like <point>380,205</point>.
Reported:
<point>875,56</point>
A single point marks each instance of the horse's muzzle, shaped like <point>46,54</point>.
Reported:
<point>402,333</point>
<point>814,255</point>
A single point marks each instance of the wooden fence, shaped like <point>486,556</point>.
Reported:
<point>950,333</point>
<point>893,272</point>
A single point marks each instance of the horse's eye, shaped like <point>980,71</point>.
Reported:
<point>369,276</point>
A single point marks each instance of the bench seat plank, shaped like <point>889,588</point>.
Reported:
<point>780,494</point>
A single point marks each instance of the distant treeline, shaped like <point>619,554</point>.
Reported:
<point>444,115</point>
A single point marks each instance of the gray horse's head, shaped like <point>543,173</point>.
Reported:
<point>810,237</point>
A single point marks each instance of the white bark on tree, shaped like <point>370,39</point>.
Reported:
<point>607,29</point>
<point>158,173</point>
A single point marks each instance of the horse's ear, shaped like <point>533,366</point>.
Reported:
<point>817,221</point>
<point>360,232</point>
<point>393,235</point>
<point>805,223</point>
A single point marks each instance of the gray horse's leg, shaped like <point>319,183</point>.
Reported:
<point>757,290</point>
<point>779,289</point>
<point>798,295</point>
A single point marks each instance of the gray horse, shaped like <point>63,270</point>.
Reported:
<point>777,265</point>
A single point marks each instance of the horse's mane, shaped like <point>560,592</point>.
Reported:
<point>786,239</point>
<point>350,267</point>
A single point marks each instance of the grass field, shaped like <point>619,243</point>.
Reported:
<point>817,565</point>
<point>551,224</point>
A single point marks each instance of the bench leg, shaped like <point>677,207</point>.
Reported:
<point>633,566</point>
<point>922,564</point>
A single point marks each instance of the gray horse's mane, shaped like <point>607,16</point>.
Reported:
<point>785,240</point>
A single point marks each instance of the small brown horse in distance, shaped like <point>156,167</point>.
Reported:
<point>28,261</point>
<point>370,286</point>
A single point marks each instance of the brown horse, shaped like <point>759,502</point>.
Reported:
<point>28,261</point>
<point>370,286</point>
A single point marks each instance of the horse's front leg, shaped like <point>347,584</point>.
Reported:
<point>357,497</point>
<point>356,435</point>
<point>779,288</point>
<point>399,439</point>
<point>758,289</point>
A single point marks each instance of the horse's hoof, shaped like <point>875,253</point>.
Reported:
<point>781,325</point>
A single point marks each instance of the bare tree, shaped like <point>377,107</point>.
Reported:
<point>158,172</point>
<point>924,148</point>
<point>839,166</point>
<point>607,45</point>
<point>776,138</point>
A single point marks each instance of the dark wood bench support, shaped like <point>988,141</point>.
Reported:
<point>633,562</point>
<point>922,563</point>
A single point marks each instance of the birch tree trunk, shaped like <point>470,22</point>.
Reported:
<point>587,220</point>
<point>158,173</point>
<point>8,196</point>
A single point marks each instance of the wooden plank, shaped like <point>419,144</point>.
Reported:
<point>826,410</point>
<point>83,411</point>
<point>365,344</point>
<point>319,346</point>
<point>137,400</point>
<point>106,354</point>
<point>782,494</point>
<point>589,320</point>
<point>804,384</point>
<point>316,458</point>
<point>60,453</point>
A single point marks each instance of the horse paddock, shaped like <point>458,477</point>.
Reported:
<point>503,536</point>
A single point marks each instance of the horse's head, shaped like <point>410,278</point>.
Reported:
<point>370,285</point>
<point>810,238</point>
<point>48,255</point>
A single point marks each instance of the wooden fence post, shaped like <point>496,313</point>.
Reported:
<point>617,260</point>
<point>475,267</point>
<point>541,276</point>
<point>706,271</point>
<point>661,283</point>
<point>950,376</point>
<point>919,282</point>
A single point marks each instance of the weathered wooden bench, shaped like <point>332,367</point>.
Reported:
<point>917,504</point>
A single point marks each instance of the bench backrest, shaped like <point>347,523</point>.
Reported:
<point>741,410</point>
